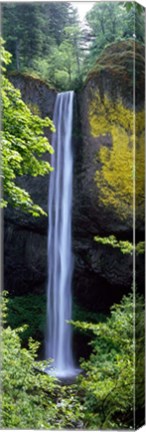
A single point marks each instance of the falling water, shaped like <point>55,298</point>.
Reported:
<point>59,304</point>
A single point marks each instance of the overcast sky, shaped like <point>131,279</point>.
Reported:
<point>83,7</point>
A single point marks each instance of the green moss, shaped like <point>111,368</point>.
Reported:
<point>117,60</point>
<point>31,77</point>
<point>116,177</point>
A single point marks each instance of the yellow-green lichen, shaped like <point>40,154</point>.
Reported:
<point>123,162</point>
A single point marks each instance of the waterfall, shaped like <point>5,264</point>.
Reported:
<point>59,296</point>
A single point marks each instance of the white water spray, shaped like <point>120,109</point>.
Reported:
<point>59,296</point>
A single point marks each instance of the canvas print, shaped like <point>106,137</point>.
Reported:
<point>73,128</point>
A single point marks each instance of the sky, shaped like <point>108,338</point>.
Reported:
<point>83,7</point>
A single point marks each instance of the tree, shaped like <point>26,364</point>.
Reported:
<point>30,30</point>
<point>58,16</point>
<point>61,66</point>
<point>109,22</point>
<point>105,21</point>
<point>107,387</point>
<point>73,37</point>
<point>23,144</point>
<point>22,31</point>
<point>42,37</point>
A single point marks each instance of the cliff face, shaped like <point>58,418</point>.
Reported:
<point>103,184</point>
<point>104,177</point>
<point>37,94</point>
<point>26,237</point>
<point>107,125</point>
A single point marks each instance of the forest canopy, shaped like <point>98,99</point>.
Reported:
<point>56,45</point>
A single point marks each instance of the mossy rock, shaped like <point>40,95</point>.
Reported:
<point>118,67</point>
<point>112,136</point>
<point>36,92</point>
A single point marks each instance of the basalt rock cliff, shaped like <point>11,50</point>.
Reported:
<point>111,113</point>
<point>103,184</point>
<point>25,237</point>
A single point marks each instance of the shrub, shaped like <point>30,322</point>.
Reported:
<point>107,387</point>
<point>31,399</point>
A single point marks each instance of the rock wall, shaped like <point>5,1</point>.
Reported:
<point>25,237</point>
<point>105,172</point>
<point>103,184</point>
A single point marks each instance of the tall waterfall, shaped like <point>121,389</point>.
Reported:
<point>59,302</point>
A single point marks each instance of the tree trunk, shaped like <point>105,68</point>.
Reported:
<point>17,52</point>
<point>77,56</point>
<point>69,73</point>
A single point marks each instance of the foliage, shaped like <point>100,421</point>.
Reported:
<point>23,144</point>
<point>106,23</point>
<point>32,399</point>
<point>48,25</point>
<point>140,248</point>
<point>125,246</point>
<point>107,387</point>
<point>139,358</point>
<point>115,179</point>
<point>110,22</point>
<point>51,46</point>
<point>129,5</point>
<point>62,66</point>
<point>29,310</point>
<point>17,31</point>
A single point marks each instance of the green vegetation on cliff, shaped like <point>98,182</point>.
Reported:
<point>23,144</point>
<point>125,246</point>
<point>121,171</point>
